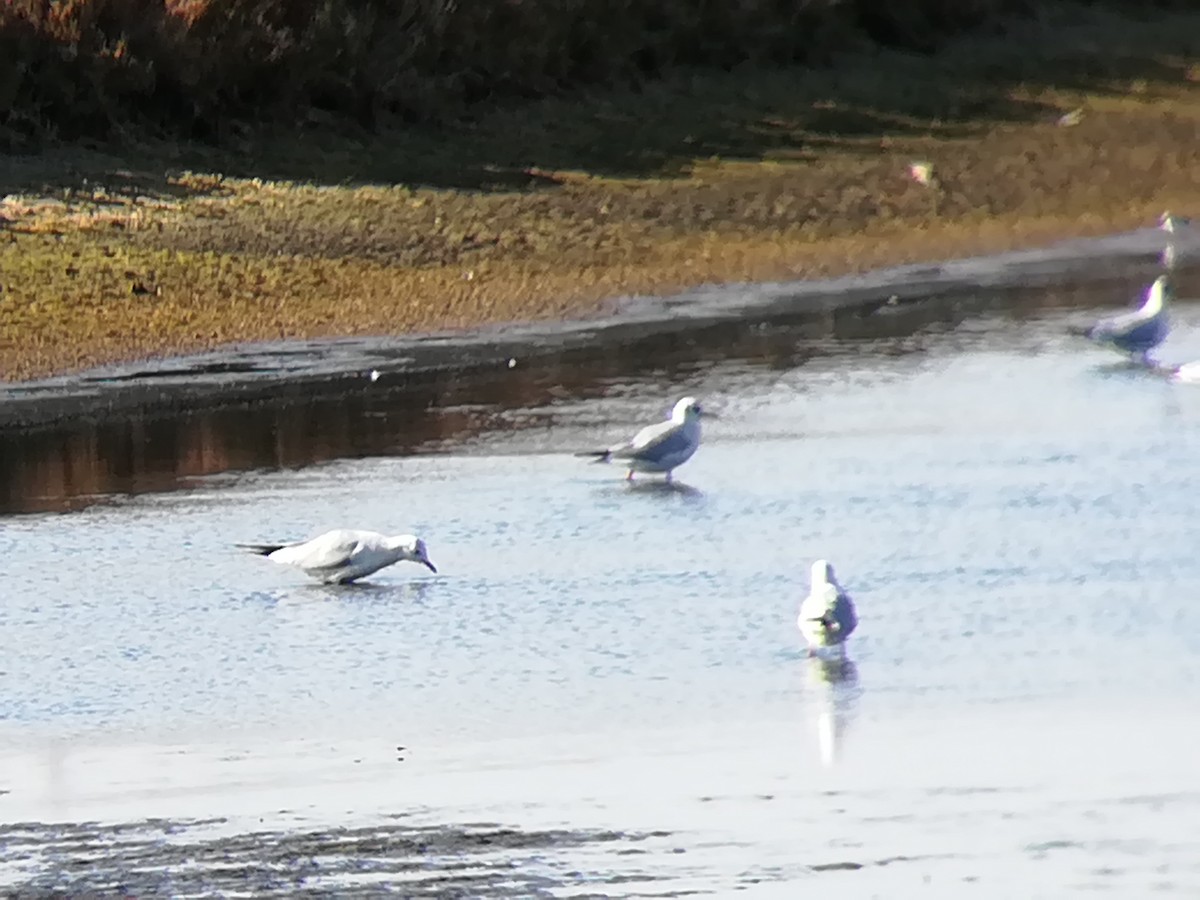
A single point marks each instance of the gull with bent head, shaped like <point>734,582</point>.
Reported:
<point>344,555</point>
<point>658,448</point>
<point>827,615</point>
<point>1140,331</point>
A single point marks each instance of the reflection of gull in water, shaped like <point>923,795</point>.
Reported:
<point>1172,225</point>
<point>827,616</point>
<point>665,488</point>
<point>658,448</point>
<point>1140,331</point>
<point>1168,257</point>
<point>360,592</point>
<point>343,555</point>
<point>833,686</point>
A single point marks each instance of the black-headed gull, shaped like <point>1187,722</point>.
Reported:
<point>827,616</point>
<point>658,448</point>
<point>344,554</point>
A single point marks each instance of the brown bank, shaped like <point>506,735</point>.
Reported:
<point>1080,126</point>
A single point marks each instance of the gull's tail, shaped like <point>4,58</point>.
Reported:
<point>600,456</point>
<point>260,549</point>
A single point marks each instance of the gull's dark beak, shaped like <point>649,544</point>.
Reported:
<point>706,414</point>
<point>432,568</point>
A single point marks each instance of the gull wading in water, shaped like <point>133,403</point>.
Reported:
<point>658,448</point>
<point>343,555</point>
<point>827,615</point>
<point>1140,331</point>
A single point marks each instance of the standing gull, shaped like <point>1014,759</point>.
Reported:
<point>1173,224</point>
<point>661,447</point>
<point>343,555</point>
<point>1140,331</point>
<point>827,615</point>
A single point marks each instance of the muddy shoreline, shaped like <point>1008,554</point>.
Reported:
<point>277,372</point>
<point>1076,125</point>
<point>158,857</point>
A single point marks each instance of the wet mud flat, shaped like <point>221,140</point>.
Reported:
<point>159,858</point>
<point>171,858</point>
<point>848,307</point>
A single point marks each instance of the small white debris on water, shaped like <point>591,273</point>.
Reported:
<point>512,363</point>
<point>374,374</point>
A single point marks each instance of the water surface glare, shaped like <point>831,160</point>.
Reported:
<point>1012,512</point>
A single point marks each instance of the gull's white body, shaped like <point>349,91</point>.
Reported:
<point>659,448</point>
<point>827,615</point>
<point>344,554</point>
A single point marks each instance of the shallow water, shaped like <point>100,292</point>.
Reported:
<point>613,672</point>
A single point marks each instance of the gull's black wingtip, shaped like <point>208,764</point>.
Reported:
<point>595,455</point>
<point>260,549</point>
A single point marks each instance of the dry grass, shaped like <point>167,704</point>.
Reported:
<point>207,69</point>
<point>550,208</point>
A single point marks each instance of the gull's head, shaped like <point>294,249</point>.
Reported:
<point>421,555</point>
<point>687,409</point>
<point>414,550</point>
<point>822,573</point>
<point>1157,296</point>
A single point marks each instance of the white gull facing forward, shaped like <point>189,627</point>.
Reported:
<point>343,555</point>
<point>827,616</point>
<point>658,448</point>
